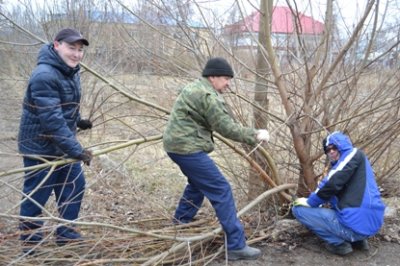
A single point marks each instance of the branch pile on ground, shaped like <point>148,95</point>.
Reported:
<point>154,241</point>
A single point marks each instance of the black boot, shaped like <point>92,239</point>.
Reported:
<point>361,245</point>
<point>342,249</point>
<point>66,234</point>
<point>246,253</point>
<point>31,236</point>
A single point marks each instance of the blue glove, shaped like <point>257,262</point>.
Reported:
<point>301,202</point>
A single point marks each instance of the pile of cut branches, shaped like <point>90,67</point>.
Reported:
<point>157,242</point>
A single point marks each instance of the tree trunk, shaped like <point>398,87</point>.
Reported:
<point>256,185</point>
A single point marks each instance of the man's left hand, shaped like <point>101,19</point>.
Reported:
<point>84,124</point>
<point>262,135</point>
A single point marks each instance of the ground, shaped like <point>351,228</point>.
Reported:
<point>301,249</point>
<point>310,251</point>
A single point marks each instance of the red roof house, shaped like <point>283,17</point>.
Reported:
<point>283,21</point>
<point>287,29</point>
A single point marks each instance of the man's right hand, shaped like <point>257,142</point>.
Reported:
<point>301,202</point>
<point>86,156</point>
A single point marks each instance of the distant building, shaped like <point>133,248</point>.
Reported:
<point>123,42</point>
<point>287,29</point>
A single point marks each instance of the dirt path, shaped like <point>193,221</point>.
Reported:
<point>10,110</point>
<point>311,252</point>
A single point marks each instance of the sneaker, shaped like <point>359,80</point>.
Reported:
<point>179,222</point>
<point>361,245</point>
<point>66,235</point>
<point>246,253</point>
<point>32,238</point>
<point>30,242</point>
<point>29,248</point>
<point>342,249</point>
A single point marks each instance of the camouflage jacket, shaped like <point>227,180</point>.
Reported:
<point>198,111</point>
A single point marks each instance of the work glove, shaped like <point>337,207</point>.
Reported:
<point>84,124</point>
<point>86,156</point>
<point>301,202</point>
<point>262,135</point>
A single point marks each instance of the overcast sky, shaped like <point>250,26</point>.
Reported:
<point>349,10</point>
<point>348,7</point>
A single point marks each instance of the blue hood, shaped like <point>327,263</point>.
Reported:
<point>340,140</point>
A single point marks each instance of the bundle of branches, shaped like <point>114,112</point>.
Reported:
<point>158,241</point>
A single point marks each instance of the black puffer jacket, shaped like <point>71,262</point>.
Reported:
<point>51,108</point>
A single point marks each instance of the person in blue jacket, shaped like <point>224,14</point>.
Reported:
<point>356,209</point>
<point>48,126</point>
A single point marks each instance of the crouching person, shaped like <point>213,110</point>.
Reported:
<point>350,189</point>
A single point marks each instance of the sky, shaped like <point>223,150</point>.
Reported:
<point>350,10</point>
<point>222,6</point>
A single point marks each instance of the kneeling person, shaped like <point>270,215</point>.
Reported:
<point>350,189</point>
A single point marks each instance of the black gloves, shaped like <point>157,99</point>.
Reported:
<point>86,156</point>
<point>84,124</point>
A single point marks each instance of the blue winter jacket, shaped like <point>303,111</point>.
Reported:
<point>51,108</point>
<point>351,184</point>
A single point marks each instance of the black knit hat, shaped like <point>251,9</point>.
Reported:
<point>217,67</point>
<point>70,36</point>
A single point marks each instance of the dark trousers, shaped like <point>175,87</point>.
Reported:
<point>205,179</point>
<point>68,184</point>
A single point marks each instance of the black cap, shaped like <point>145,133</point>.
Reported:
<point>71,36</point>
<point>217,67</point>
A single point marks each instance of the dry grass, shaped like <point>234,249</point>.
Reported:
<point>127,219</point>
<point>132,193</point>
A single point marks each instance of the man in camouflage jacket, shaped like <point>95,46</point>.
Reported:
<point>198,111</point>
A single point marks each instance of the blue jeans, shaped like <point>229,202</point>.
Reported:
<point>68,184</point>
<point>325,223</point>
<point>205,179</point>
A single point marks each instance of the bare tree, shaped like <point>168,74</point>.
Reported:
<point>139,56</point>
<point>321,95</point>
